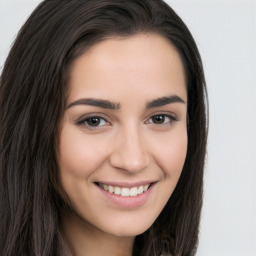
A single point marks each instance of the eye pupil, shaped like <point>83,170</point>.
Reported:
<point>93,121</point>
<point>159,119</point>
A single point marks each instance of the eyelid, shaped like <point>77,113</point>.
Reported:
<point>171,115</point>
<point>170,119</point>
<point>82,120</point>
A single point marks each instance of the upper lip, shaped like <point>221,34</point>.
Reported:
<point>126,184</point>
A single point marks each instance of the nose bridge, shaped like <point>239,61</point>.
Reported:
<point>130,153</point>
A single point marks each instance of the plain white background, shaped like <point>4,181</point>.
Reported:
<point>225,31</point>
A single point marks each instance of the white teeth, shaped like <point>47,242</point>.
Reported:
<point>117,191</point>
<point>110,189</point>
<point>134,191</point>
<point>125,192</point>
<point>145,188</point>
<point>140,190</point>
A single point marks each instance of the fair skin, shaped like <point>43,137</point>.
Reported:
<point>124,131</point>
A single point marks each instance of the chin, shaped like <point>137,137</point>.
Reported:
<point>129,229</point>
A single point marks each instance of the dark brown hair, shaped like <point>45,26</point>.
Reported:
<point>33,89</point>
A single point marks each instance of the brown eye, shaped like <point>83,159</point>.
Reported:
<point>162,119</point>
<point>93,121</point>
<point>158,119</point>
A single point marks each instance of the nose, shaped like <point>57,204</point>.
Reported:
<point>130,153</point>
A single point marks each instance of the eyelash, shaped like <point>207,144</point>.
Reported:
<point>84,121</point>
<point>171,118</point>
<point>98,119</point>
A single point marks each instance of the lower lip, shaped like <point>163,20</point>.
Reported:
<point>128,201</point>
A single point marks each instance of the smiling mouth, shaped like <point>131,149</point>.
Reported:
<point>124,191</point>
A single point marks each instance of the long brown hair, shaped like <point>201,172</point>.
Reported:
<point>33,89</point>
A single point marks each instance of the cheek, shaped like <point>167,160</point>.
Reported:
<point>175,156</point>
<point>78,156</point>
<point>171,160</point>
<point>172,153</point>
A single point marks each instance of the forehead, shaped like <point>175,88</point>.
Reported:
<point>143,62</point>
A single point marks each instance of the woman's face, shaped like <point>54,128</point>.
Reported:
<point>123,138</point>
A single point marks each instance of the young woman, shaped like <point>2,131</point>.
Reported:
<point>102,132</point>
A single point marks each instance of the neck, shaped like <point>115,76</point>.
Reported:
<point>83,239</point>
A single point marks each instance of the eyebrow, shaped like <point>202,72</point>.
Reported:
<point>96,102</point>
<point>115,106</point>
<point>159,102</point>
